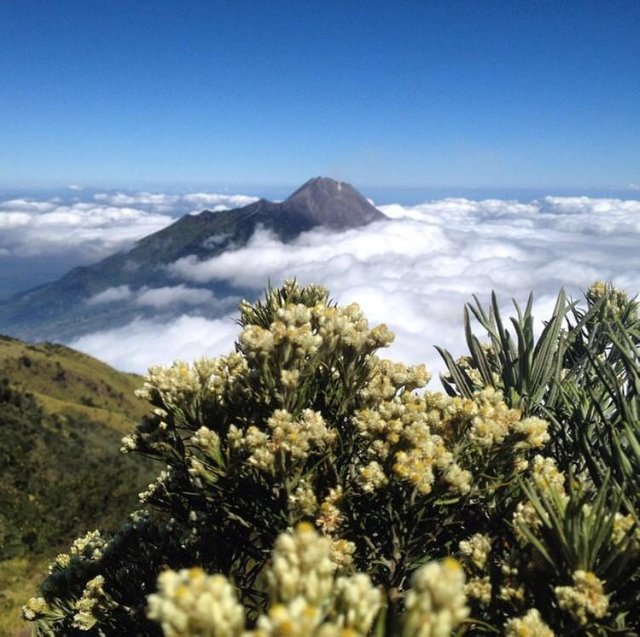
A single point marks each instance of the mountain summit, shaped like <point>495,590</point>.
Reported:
<point>76,304</point>
<point>330,203</point>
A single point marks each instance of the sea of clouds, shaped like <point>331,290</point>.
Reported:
<point>414,272</point>
<point>98,227</point>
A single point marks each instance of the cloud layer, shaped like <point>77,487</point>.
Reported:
<point>414,272</point>
<point>154,297</point>
<point>98,226</point>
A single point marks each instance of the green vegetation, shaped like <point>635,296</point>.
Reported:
<point>64,380</point>
<point>62,415</point>
<point>312,489</point>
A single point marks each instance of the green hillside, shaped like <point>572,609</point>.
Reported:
<point>62,415</point>
<point>64,379</point>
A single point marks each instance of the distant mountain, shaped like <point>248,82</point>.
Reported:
<point>72,305</point>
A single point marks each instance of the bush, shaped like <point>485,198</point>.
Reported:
<point>311,488</point>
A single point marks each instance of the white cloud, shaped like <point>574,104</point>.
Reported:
<point>91,231</point>
<point>166,296</point>
<point>154,297</point>
<point>144,343</point>
<point>11,220</point>
<point>100,226</point>
<point>144,198</point>
<point>27,205</point>
<point>110,295</point>
<point>177,204</point>
<point>206,199</point>
<point>416,271</point>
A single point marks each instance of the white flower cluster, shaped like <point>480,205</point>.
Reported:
<point>35,608</point>
<point>208,442</point>
<point>466,364</point>
<point>476,550</point>
<point>288,440</point>
<point>303,499</point>
<point>159,484</point>
<point>89,547</point>
<point>92,604</point>
<point>479,589</point>
<point>511,590</point>
<point>436,603</point>
<point>458,479</point>
<point>298,332</point>
<point>372,477</point>
<point>354,610</point>
<point>399,436</point>
<point>616,300</point>
<point>290,378</point>
<point>292,336</point>
<point>584,600</point>
<point>217,373</point>
<point>424,451</point>
<point>206,439</point>
<point>621,527</point>
<point>180,383</point>
<point>342,552</point>
<point>330,516</point>
<point>174,383</point>
<point>534,431</point>
<point>495,421</point>
<point>190,602</point>
<point>547,479</point>
<point>622,524</point>
<point>299,618</point>
<point>129,443</point>
<point>357,603</point>
<point>546,475</point>
<point>530,625</point>
<point>307,600</point>
<point>301,566</point>
<point>389,378</point>
<point>338,326</point>
<point>486,421</point>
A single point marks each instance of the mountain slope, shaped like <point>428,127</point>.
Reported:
<point>69,380</point>
<point>62,415</point>
<point>62,310</point>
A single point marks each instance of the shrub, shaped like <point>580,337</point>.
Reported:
<point>312,488</point>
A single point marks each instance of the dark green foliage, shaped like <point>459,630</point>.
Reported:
<point>61,475</point>
<point>522,368</point>
<point>585,380</point>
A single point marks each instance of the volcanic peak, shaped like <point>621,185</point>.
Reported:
<point>334,204</point>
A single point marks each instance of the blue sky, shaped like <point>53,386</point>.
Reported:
<point>542,94</point>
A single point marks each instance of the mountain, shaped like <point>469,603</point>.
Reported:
<point>71,306</point>
<point>62,415</point>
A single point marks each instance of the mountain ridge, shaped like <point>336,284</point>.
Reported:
<point>60,310</point>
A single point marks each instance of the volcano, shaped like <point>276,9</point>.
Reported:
<point>64,309</point>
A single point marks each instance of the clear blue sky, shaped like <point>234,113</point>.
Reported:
<point>399,93</point>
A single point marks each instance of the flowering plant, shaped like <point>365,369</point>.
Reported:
<point>312,488</point>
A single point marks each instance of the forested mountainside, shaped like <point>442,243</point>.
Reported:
<point>62,415</point>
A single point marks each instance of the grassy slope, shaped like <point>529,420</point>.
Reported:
<point>75,380</point>
<point>61,474</point>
